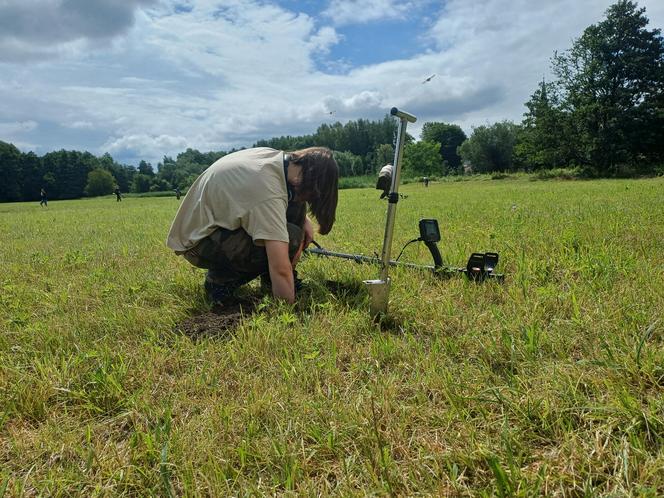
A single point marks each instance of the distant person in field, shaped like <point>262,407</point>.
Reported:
<point>44,200</point>
<point>118,194</point>
<point>246,216</point>
<point>426,181</point>
<point>177,193</point>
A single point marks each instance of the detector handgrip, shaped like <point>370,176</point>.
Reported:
<point>403,115</point>
<point>435,254</point>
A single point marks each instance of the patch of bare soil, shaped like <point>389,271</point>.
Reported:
<point>220,321</point>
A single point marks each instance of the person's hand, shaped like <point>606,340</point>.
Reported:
<point>308,237</point>
<point>281,271</point>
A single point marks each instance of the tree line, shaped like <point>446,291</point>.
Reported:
<point>602,114</point>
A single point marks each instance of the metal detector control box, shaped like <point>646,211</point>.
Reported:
<point>429,231</point>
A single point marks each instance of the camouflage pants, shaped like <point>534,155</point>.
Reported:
<point>231,257</point>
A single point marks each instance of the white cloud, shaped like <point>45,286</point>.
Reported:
<point>11,129</point>
<point>46,23</point>
<point>357,104</point>
<point>80,125</point>
<point>144,145</point>
<point>324,39</point>
<point>343,12</point>
<point>217,75</point>
<point>506,44</point>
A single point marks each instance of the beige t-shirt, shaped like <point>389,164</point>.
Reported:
<point>245,189</point>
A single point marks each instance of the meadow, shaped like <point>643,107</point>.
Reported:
<point>549,384</point>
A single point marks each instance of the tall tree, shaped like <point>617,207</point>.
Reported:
<point>123,174</point>
<point>450,137</point>
<point>423,159</point>
<point>145,168</point>
<point>613,79</point>
<point>491,148</point>
<point>361,138</point>
<point>31,176</point>
<point>384,155</point>
<point>68,172</point>
<point>100,182</point>
<point>349,164</point>
<point>10,172</point>
<point>546,140</point>
<point>141,183</point>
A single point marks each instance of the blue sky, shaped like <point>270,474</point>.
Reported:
<point>141,79</point>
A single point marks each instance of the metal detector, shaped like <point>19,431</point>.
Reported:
<point>480,266</point>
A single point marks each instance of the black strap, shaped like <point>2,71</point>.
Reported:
<point>288,187</point>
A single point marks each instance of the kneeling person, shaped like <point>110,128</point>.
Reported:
<point>245,216</point>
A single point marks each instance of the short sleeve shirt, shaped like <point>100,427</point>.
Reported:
<point>245,189</point>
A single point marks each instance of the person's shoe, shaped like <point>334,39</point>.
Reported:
<point>218,293</point>
<point>299,284</point>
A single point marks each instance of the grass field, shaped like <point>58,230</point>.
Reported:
<point>549,384</point>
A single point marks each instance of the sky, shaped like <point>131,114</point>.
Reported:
<point>144,79</point>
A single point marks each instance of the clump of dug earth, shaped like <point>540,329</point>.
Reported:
<point>219,321</point>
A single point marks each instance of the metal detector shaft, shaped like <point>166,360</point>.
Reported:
<point>360,258</point>
<point>379,289</point>
<point>437,270</point>
<point>393,197</point>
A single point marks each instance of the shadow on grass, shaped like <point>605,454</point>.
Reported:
<point>221,321</point>
<point>353,294</point>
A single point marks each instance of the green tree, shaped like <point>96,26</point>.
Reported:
<point>159,185</point>
<point>349,164</point>
<point>491,148</point>
<point>145,168</point>
<point>384,155</point>
<point>100,182</point>
<point>423,159</point>
<point>31,176</point>
<point>49,182</point>
<point>361,138</point>
<point>69,170</point>
<point>613,84</point>
<point>10,172</point>
<point>123,174</point>
<point>450,137</point>
<point>141,183</point>
<point>546,140</point>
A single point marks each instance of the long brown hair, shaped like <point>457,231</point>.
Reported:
<point>320,182</point>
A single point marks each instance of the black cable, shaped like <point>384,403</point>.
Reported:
<point>407,244</point>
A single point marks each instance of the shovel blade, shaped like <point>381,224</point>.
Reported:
<point>379,294</point>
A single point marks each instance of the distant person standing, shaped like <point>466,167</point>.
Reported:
<point>426,181</point>
<point>44,200</point>
<point>118,194</point>
<point>177,192</point>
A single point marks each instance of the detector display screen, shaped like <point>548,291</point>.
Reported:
<point>429,231</point>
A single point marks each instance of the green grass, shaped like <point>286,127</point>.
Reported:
<point>549,384</point>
